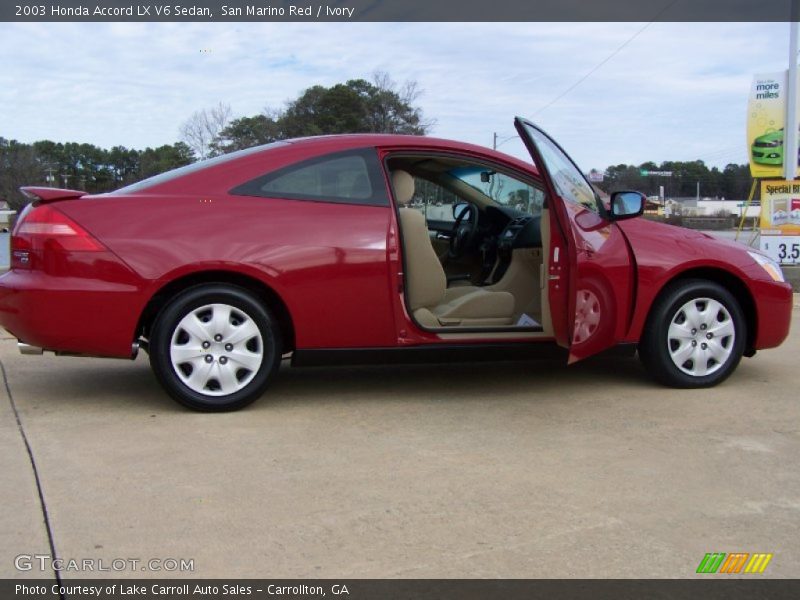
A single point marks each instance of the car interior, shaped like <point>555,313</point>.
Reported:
<point>473,240</point>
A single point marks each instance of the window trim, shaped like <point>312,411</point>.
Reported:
<point>509,171</point>
<point>525,177</point>
<point>380,194</point>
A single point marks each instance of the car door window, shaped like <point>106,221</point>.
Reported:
<point>568,180</point>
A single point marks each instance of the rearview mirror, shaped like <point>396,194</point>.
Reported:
<point>625,205</point>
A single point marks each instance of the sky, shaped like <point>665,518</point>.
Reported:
<point>660,91</point>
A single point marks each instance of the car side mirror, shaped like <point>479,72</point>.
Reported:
<point>625,205</point>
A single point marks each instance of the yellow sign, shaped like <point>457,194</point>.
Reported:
<point>780,207</point>
<point>766,115</point>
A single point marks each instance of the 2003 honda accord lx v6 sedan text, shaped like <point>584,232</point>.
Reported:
<point>378,248</point>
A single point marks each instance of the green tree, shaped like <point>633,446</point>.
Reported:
<point>246,132</point>
<point>357,106</point>
<point>153,161</point>
<point>18,166</point>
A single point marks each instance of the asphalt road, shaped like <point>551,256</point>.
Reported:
<point>496,470</point>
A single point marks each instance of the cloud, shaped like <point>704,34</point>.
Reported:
<point>676,91</point>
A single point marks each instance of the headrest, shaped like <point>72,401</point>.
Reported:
<point>403,184</point>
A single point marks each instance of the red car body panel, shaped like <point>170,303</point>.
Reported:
<point>664,252</point>
<point>336,267</point>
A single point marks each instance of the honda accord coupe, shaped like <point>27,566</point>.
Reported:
<point>378,249</point>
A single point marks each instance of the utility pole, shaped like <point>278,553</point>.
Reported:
<point>790,145</point>
<point>698,192</point>
<point>494,141</point>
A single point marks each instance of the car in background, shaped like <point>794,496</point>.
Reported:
<point>337,249</point>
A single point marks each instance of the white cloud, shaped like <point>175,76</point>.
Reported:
<point>677,91</point>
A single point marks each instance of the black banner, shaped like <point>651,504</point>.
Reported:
<point>397,10</point>
<point>716,587</point>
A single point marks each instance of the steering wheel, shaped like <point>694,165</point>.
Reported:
<point>464,231</point>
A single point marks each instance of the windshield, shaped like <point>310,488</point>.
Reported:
<point>502,189</point>
<point>568,181</point>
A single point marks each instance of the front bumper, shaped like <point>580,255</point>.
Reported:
<point>773,304</point>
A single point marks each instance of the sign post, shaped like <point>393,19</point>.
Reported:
<point>790,144</point>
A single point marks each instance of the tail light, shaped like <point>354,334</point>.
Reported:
<point>43,229</point>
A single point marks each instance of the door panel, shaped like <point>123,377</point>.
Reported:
<point>590,276</point>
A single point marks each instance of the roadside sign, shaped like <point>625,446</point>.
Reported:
<point>766,116</point>
<point>596,176</point>
<point>780,220</point>
<point>783,249</point>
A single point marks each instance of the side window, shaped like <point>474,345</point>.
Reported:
<point>569,182</point>
<point>434,201</point>
<point>345,177</point>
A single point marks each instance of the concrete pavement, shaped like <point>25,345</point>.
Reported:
<point>491,470</point>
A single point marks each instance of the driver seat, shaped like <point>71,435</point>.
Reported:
<point>429,300</point>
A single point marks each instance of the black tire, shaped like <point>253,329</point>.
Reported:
<point>168,328</point>
<point>656,346</point>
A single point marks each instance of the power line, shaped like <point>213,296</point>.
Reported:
<point>604,61</point>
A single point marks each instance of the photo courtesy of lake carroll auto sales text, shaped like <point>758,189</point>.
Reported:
<point>402,299</point>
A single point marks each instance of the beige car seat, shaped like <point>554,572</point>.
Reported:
<point>430,301</point>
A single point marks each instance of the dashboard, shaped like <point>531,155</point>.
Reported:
<point>513,229</point>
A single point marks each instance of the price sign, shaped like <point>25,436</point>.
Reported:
<point>784,249</point>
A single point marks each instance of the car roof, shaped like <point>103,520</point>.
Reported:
<point>397,141</point>
<point>223,172</point>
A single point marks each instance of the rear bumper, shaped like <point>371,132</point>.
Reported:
<point>69,314</point>
<point>773,303</point>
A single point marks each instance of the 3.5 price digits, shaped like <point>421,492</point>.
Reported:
<point>787,251</point>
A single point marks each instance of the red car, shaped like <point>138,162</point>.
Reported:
<point>378,248</point>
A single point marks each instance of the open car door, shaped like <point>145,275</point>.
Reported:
<point>590,280</point>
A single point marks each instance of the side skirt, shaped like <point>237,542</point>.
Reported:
<point>442,353</point>
<point>439,353</point>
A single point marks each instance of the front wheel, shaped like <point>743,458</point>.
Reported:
<point>215,348</point>
<point>695,335</point>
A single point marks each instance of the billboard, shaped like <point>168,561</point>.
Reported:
<point>766,113</point>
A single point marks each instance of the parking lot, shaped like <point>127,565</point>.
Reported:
<point>490,470</point>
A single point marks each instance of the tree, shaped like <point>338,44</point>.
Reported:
<point>246,132</point>
<point>18,167</point>
<point>357,106</point>
<point>153,161</point>
<point>390,108</point>
<point>203,127</point>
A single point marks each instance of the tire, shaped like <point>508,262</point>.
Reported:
<point>215,347</point>
<point>695,335</point>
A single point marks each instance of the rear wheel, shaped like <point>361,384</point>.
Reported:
<point>215,348</point>
<point>695,335</point>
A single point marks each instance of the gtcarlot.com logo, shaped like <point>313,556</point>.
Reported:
<point>735,562</point>
<point>45,562</point>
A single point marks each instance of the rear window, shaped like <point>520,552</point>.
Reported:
<point>192,168</point>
